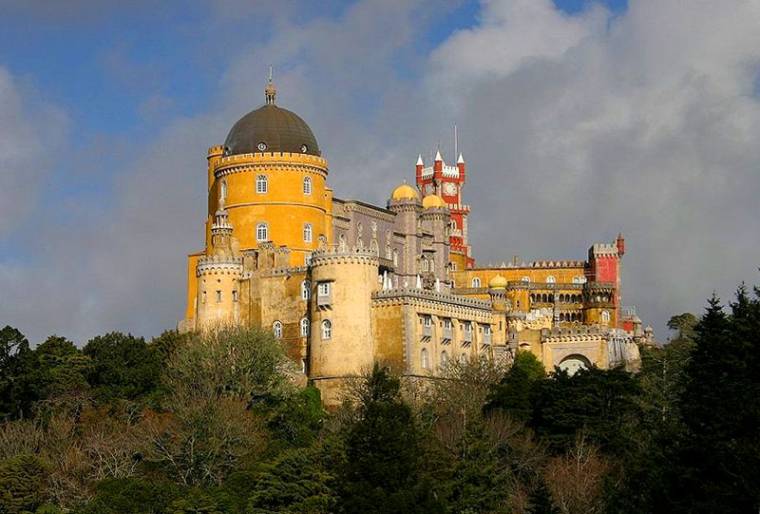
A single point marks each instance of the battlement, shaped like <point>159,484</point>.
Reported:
<point>604,250</point>
<point>218,264</point>
<point>425,294</point>
<point>336,255</point>
<point>447,171</point>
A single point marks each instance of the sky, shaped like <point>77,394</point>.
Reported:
<point>578,119</point>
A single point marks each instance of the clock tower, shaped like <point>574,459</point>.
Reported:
<point>447,182</point>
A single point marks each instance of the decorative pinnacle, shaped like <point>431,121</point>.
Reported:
<point>419,160</point>
<point>461,159</point>
<point>438,156</point>
<point>270,91</point>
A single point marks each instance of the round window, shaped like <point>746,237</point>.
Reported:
<point>262,146</point>
<point>304,148</point>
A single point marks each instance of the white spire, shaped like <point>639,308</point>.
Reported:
<point>461,159</point>
<point>438,156</point>
<point>419,161</point>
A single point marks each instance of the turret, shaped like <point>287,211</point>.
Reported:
<point>341,323</point>
<point>438,172</point>
<point>418,170</point>
<point>461,167</point>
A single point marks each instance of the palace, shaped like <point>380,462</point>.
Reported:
<point>344,283</point>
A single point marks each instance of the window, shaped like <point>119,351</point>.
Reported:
<point>427,321</point>
<point>326,329</point>
<point>277,329</point>
<point>395,257</point>
<point>303,366</point>
<point>218,296</point>
<point>305,290</point>
<point>550,279</point>
<point>444,358</point>
<point>605,317</point>
<point>323,289</point>
<point>476,282</point>
<point>525,279</point>
<point>468,326</point>
<point>453,266</point>
<point>203,297</point>
<point>223,191</point>
<point>307,233</point>
<point>304,327</point>
<point>424,361</point>
<point>307,185</point>
<point>234,296</point>
<point>487,329</point>
<point>447,324</point>
<point>262,232</point>
<point>262,185</point>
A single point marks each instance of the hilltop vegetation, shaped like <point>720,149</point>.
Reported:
<point>215,424</point>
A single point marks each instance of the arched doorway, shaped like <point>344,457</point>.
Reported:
<point>573,363</point>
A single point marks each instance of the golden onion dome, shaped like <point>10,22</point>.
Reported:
<point>405,192</point>
<point>498,282</point>
<point>433,202</point>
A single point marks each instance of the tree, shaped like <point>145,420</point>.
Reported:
<point>684,324</point>
<point>131,496</point>
<point>575,480</point>
<point>60,369</point>
<point>381,471</point>
<point>294,483</point>
<point>122,366</point>
<point>721,412</point>
<point>600,403</point>
<point>515,393</point>
<point>22,484</point>
<point>16,386</point>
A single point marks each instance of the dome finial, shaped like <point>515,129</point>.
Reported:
<point>270,91</point>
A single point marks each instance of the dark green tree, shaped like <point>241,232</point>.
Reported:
<point>719,459</point>
<point>22,484</point>
<point>122,366</point>
<point>295,483</point>
<point>515,393</point>
<point>16,384</point>
<point>381,471</point>
<point>602,404</point>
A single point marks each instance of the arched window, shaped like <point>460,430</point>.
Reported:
<point>304,327</point>
<point>525,279</point>
<point>326,329</point>
<point>277,329</point>
<point>432,265</point>
<point>307,233</point>
<point>605,317</point>
<point>550,279</point>
<point>476,282</point>
<point>453,225</point>
<point>444,358</point>
<point>307,185</point>
<point>305,290</point>
<point>395,257</point>
<point>262,185</point>
<point>223,191</point>
<point>453,266</point>
<point>424,360</point>
<point>262,232</point>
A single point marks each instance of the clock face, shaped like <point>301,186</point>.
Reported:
<point>450,189</point>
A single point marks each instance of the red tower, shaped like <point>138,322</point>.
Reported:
<point>447,182</point>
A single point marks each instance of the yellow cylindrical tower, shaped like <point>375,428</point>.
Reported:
<point>272,179</point>
<point>341,328</point>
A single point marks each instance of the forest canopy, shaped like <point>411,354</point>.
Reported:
<point>218,423</point>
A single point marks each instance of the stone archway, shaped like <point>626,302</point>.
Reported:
<point>573,363</point>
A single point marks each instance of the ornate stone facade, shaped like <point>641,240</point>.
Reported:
<point>344,283</point>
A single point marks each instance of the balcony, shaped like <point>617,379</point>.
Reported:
<point>427,331</point>
<point>324,300</point>
<point>447,335</point>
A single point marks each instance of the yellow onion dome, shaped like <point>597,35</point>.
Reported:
<point>433,202</point>
<point>498,282</point>
<point>405,192</point>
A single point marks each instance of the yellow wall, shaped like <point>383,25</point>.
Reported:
<point>537,275</point>
<point>284,207</point>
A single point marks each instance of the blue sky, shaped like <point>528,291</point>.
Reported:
<point>578,119</point>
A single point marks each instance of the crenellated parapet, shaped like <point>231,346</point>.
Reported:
<point>218,264</point>
<point>349,255</point>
